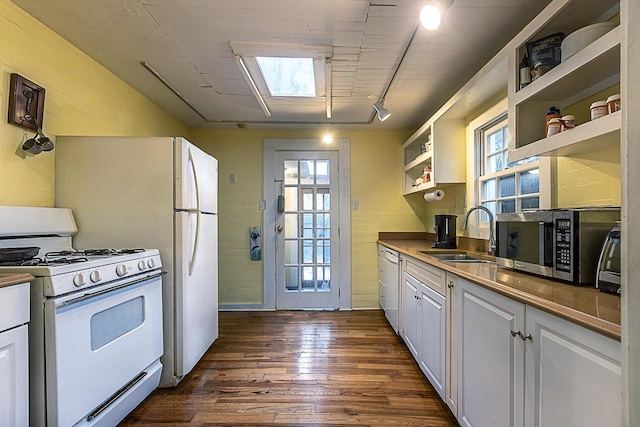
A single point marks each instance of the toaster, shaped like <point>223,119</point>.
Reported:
<point>608,272</point>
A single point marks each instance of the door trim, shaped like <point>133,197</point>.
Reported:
<point>270,147</point>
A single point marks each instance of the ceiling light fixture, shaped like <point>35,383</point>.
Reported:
<point>252,85</point>
<point>431,13</point>
<point>327,138</point>
<point>327,84</point>
<point>383,113</point>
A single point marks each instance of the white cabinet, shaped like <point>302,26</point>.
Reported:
<point>438,146</point>
<point>410,320</point>
<point>518,365</point>
<point>451,344</point>
<point>573,374</point>
<point>490,360</point>
<point>424,320</point>
<point>569,86</point>
<point>14,355</point>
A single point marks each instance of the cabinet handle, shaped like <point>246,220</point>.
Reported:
<point>522,336</point>
<point>449,285</point>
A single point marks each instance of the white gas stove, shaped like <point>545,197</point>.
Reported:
<point>95,335</point>
<point>68,270</point>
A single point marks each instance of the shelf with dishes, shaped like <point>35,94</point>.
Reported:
<point>590,72</point>
<point>434,156</point>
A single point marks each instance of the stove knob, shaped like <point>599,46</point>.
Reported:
<point>95,276</point>
<point>78,280</point>
<point>142,266</point>
<point>121,270</point>
<point>151,263</point>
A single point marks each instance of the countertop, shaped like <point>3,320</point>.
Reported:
<point>10,279</point>
<point>584,305</point>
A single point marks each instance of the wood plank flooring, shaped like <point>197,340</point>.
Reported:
<point>300,368</point>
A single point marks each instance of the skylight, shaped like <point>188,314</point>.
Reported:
<point>288,76</point>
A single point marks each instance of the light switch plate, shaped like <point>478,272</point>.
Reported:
<point>263,205</point>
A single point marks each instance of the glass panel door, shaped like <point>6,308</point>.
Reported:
<point>306,247</point>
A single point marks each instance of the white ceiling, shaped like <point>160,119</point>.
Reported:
<point>188,42</point>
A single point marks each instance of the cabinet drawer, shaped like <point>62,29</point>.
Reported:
<point>431,276</point>
<point>14,306</point>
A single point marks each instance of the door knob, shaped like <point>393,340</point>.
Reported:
<point>279,229</point>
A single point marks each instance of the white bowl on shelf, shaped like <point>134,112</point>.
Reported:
<point>583,37</point>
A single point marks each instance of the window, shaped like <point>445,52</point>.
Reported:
<point>288,76</point>
<point>505,187</point>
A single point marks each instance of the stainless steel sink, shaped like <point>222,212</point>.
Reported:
<point>455,257</point>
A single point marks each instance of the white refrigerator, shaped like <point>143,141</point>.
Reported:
<point>152,193</point>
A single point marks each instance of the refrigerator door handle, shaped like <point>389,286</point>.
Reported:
<point>194,252</point>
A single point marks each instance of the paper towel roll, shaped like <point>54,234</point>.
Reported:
<point>434,196</point>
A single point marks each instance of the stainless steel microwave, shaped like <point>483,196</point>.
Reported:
<point>562,244</point>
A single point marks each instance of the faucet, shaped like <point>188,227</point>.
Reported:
<point>492,242</point>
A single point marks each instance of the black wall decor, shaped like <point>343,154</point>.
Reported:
<point>26,103</point>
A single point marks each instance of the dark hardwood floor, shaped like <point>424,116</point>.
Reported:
<point>300,368</point>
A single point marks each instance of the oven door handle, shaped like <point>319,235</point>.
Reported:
<point>105,291</point>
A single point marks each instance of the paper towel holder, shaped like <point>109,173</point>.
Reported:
<point>434,196</point>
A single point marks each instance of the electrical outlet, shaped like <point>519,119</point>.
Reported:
<point>232,178</point>
<point>263,205</point>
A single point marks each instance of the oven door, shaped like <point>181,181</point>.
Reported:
<point>97,343</point>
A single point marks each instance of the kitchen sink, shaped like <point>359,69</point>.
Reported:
<point>455,257</point>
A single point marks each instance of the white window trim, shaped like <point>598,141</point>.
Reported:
<point>546,166</point>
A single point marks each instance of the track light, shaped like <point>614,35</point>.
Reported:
<point>431,13</point>
<point>383,113</point>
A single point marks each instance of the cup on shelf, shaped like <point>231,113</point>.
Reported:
<point>598,109</point>
<point>568,122</point>
<point>613,103</point>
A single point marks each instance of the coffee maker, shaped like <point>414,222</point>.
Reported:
<point>445,229</point>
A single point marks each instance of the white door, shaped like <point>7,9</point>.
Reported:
<point>196,287</point>
<point>307,251</point>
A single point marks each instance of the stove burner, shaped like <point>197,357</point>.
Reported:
<point>24,263</point>
<point>63,254</point>
<point>100,252</point>
<point>65,261</point>
<point>131,251</point>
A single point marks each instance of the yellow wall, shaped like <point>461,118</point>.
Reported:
<point>375,182</point>
<point>82,98</point>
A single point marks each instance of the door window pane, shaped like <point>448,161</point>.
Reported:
<point>291,252</point>
<point>307,225</point>
<point>291,172</point>
<point>291,198</point>
<point>324,278</point>
<point>291,278</point>
<point>307,199</point>
<point>308,282</point>
<point>323,252</point>
<point>323,168</point>
<point>322,199</point>
<point>307,251</point>
<point>291,226</point>
<point>307,172</point>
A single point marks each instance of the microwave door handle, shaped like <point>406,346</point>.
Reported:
<point>542,227</point>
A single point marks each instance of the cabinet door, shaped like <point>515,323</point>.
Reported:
<point>451,346</point>
<point>573,374</point>
<point>491,360</point>
<point>14,377</point>
<point>410,312</point>
<point>431,337</point>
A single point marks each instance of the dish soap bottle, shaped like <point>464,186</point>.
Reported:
<point>525,72</point>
